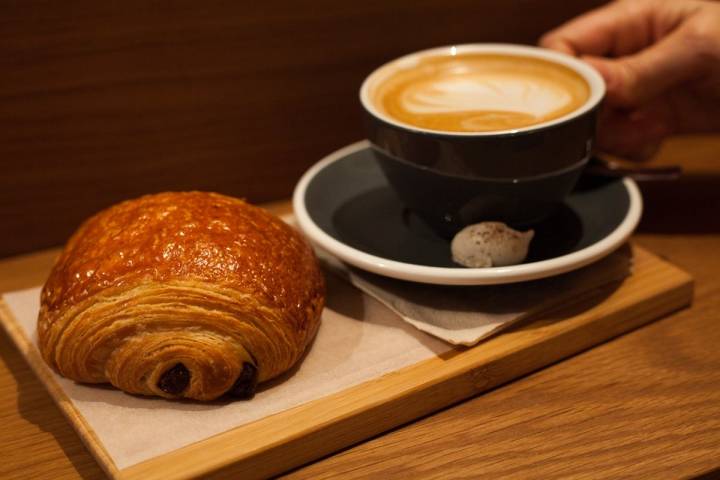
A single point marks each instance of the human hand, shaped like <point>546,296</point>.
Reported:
<point>661,63</point>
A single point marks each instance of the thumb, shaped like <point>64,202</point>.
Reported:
<point>634,79</point>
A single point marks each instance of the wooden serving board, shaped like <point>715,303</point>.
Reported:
<point>288,439</point>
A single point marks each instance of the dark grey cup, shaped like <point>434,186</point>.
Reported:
<point>517,177</point>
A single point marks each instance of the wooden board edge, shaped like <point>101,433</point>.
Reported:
<point>45,375</point>
<point>366,410</point>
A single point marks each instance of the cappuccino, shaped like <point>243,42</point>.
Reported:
<point>478,92</point>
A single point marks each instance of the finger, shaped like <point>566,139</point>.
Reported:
<point>628,144</point>
<point>618,28</point>
<point>633,135</point>
<point>635,79</point>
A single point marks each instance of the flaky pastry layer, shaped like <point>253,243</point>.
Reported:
<point>187,295</point>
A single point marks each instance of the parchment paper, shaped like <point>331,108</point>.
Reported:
<point>359,339</point>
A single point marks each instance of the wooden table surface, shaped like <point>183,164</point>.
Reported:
<point>646,405</point>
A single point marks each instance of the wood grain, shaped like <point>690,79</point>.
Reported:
<point>274,444</point>
<point>44,374</point>
<point>644,403</point>
<point>103,101</point>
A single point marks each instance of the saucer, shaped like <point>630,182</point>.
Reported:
<point>345,205</point>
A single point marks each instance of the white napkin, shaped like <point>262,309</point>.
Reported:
<point>466,315</point>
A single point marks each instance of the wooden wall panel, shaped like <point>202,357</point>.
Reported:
<point>102,101</point>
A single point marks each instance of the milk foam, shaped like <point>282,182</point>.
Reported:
<point>485,92</point>
<point>479,92</point>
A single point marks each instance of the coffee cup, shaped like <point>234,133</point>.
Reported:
<point>478,132</point>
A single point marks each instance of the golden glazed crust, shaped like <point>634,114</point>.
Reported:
<point>181,295</point>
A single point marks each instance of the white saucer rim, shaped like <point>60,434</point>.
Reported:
<point>458,276</point>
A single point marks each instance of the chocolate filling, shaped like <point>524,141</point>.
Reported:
<point>244,386</point>
<point>174,380</point>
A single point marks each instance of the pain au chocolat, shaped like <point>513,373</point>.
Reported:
<point>181,295</point>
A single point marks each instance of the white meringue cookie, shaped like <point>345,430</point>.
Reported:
<point>490,244</point>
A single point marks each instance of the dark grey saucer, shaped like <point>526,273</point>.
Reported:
<point>350,200</point>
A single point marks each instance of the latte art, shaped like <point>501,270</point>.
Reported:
<point>478,92</point>
<point>493,92</point>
